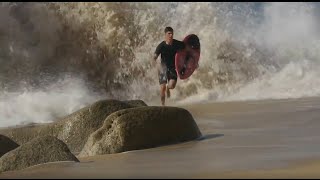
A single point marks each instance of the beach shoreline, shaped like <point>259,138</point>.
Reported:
<point>256,139</point>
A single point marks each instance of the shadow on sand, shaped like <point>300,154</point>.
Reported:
<point>209,136</point>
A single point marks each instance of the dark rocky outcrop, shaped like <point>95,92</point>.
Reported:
<point>6,145</point>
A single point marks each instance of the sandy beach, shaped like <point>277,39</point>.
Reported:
<point>253,139</point>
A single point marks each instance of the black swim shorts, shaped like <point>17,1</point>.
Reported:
<point>166,75</point>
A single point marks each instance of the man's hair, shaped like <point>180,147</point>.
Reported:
<point>167,29</point>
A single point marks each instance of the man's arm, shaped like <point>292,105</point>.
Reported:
<point>181,45</point>
<point>155,56</point>
<point>157,52</point>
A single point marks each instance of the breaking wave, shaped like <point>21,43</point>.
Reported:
<point>85,51</point>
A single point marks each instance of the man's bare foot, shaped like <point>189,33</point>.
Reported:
<point>168,92</point>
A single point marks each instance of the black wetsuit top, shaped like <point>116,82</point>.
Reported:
<point>168,52</point>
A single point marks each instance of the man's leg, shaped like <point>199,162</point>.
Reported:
<point>172,84</point>
<point>163,94</point>
<point>163,83</point>
<point>172,78</point>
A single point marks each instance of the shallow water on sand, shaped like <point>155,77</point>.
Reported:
<point>237,137</point>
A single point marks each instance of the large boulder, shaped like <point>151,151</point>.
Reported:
<point>37,151</point>
<point>6,145</point>
<point>140,128</point>
<point>75,128</point>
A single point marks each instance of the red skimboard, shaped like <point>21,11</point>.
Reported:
<point>186,60</point>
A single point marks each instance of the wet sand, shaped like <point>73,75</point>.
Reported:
<point>253,139</point>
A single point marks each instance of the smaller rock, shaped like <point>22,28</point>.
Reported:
<point>38,151</point>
